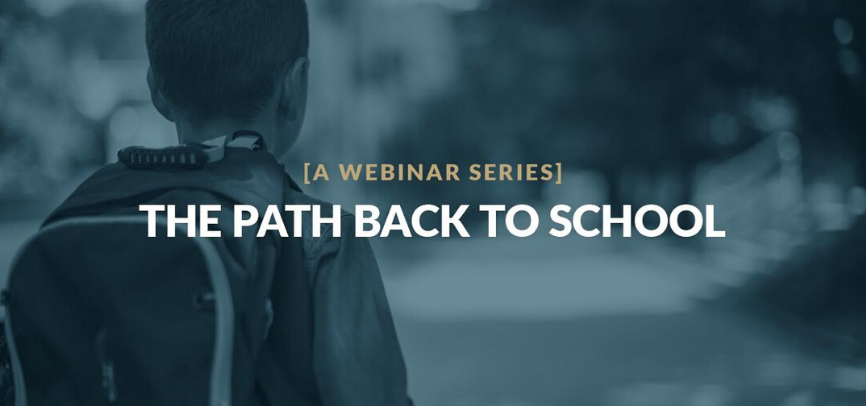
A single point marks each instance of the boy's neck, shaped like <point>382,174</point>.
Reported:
<point>187,133</point>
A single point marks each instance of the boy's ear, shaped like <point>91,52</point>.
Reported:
<point>294,84</point>
<point>157,98</point>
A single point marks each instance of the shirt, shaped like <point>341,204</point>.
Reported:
<point>333,340</point>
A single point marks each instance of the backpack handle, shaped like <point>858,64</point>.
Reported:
<point>190,156</point>
<point>187,156</point>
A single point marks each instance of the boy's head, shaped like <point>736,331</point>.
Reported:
<point>229,63</point>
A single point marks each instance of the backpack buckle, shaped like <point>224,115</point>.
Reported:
<point>247,139</point>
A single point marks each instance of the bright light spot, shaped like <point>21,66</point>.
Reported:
<point>724,128</point>
<point>850,63</point>
<point>773,114</point>
<point>453,5</point>
<point>802,398</point>
<point>123,125</point>
<point>857,200</point>
<point>51,8</point>
<point>850,379</point>
<point>788,146</point>
<point>843,30</point>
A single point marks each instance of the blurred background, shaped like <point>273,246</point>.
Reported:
<point>755,106</point>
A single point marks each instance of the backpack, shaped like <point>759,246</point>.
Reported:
<point>97,313</point>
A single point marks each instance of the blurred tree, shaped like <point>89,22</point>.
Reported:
<point>812,52</point>
<point>655,87</point>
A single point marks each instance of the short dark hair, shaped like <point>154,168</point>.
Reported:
<point>222,58</point>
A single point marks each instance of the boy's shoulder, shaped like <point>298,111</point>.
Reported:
<point>297,197</point>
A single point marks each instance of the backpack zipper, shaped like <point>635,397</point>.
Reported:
<point>107,367</point>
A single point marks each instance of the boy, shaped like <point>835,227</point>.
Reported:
<point>218,66</point>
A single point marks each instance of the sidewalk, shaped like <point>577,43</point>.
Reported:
<point>603,322</point>
<point>542,279</point>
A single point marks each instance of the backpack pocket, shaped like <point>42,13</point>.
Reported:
<point>97,313</point>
